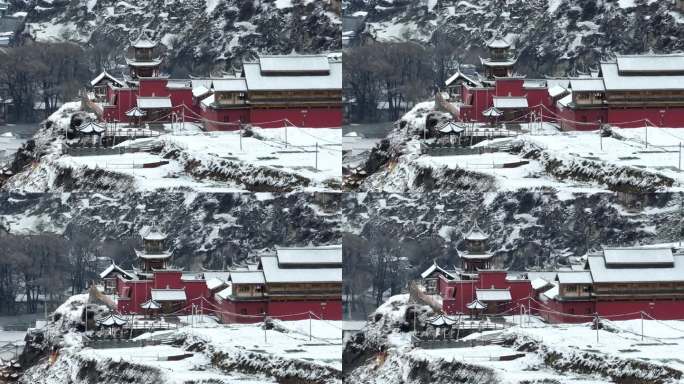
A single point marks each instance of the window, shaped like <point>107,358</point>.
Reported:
<point>243,289</point>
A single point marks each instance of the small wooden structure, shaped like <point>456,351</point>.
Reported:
<point>91,133</point>
<point>136,114</point>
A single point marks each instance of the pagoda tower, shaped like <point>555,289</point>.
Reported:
<point>501,60</point>
<point>142,61</point>
<point>154,255</point>
<point>476,256</point>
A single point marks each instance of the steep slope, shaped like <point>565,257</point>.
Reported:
<point>197,33</point>
<point>205,230</point>
<point>552,37</point>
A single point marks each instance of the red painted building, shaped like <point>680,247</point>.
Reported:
<point>629,91</point>
<point>617,283</point>
<point>289,285</point>
<point>271,92</point>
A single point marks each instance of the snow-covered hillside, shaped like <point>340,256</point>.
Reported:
<point>198,350</point>
<point>527,351</point>
<point>552,37</point>
<point>535,156</point>
<point>205,230</point>
<point>526,230</point>
<point>181,157</point>
<point>197,33</point>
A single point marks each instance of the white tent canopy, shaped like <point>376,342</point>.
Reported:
<point>476,304</point>
<point>91,127</point>
<point>450,127</point>
<point>135,112</point>
<point>150,304</point>
<point>492,112</point>
<point>442,320</point>
<point>112,320</point>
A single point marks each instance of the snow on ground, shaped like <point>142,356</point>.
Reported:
<point>662,345</point>
<point>289,340</point>
<point>312,153</point>
<point>195,368</point>
<point>292,342</point>
<point>626,148</point>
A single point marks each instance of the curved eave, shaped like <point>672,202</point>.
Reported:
<point>153,63</point>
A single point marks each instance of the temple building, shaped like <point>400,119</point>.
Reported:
<point>292,284</point>
<point>627,91</point>
<point>271,91</point>
<point>614,283</point>
<point>477,287</point>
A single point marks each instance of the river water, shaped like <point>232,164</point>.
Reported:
<point>12,137</point>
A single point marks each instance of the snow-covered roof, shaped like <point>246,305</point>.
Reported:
<point>566,100</point>
<point>143,41</point>
<point>638,256</point>
<point>149,63</point>
<point>574,277</point>
<point>150,233</point>
<point>221,275</point>
<point>450,126</point>
<point>614,81</point>
<point>493,294</point>
<point>112,320</point>
<point>476,233</point>
<point>509,102</point>
<point>154,102</point>
<point>476,304</point>
<point>168,295</point>
<point>226,292</point>
<point>208,101</point>
<point>672,63</point>
<point>215,283</point>
<point>178,84</point>
<point>474,256</point>
<point>492,112</point>
<point>294,63</point>
<point>322,255</point>
<point>91,127</point>
<point>498,42</point>
<point>498,63</point>
<point>552,292</point>
<point>587,85</point>
<point>637,274</point>
<point>557,90</point>
<point>150,304</point>
<point>434,267</point>
<point>461,75</point>
<point>152,256</point>
<point>539,283</point>
<point>200,90</point>
<point>247,277</point>
<point>442,320</point>
<point>229,85</point>
<point>135,112</point>
<point>113,267</point>
<point>257,81</point>
<point>106,75</point>
<point>274,274</point>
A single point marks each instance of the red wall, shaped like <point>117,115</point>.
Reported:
<point>168,279</point>
<point>583,308</point>
<point>332,310</point>
<point>195,290</point>
<point>509,87</point>
<point>255,308</point>
<point>139,293</point>
<point>537,96</point>
<point>673,117</point>
<point>224,115</point>
<point>154,87</point>
<point>315,117</point>
<point>457,294</point>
